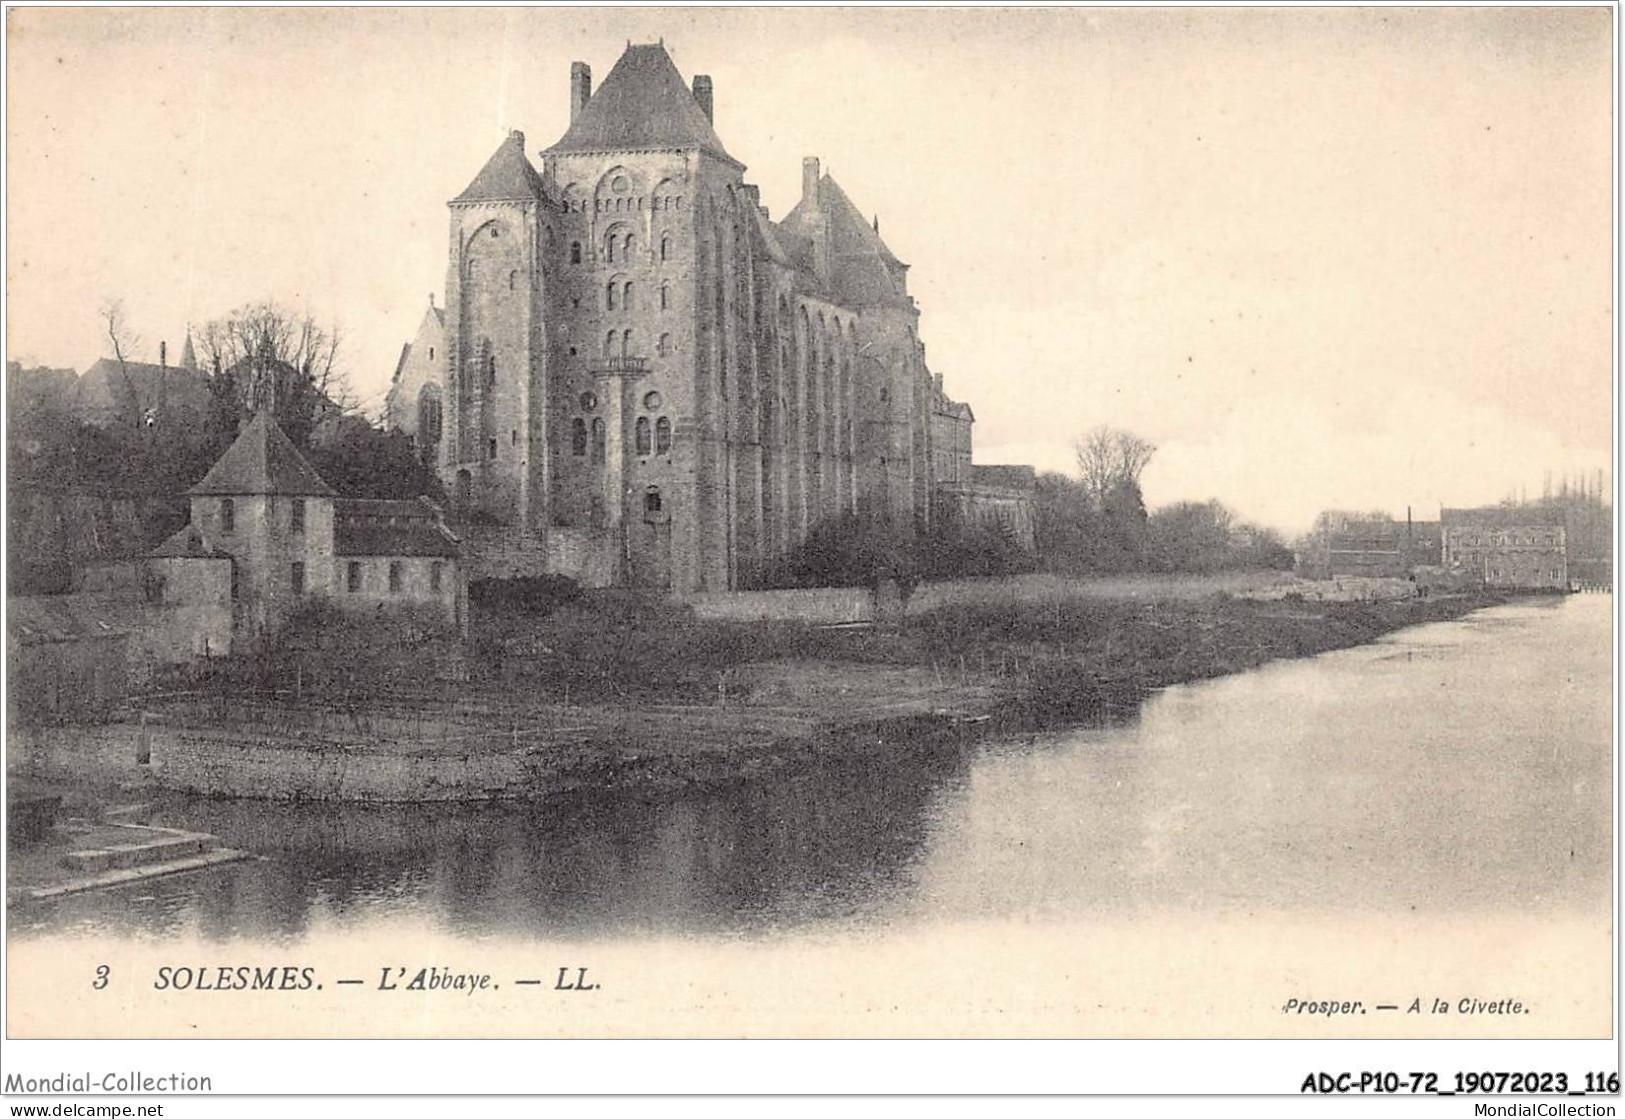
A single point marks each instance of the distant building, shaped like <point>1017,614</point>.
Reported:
<point>1522,546</point>
<point>113,391</point>
<point>1345,544</point>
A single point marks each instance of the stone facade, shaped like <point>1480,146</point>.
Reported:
<point>268,537</point>
<point>636,360</point>
<point>1507,546</point>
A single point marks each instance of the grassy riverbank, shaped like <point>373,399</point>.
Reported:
<point>614,691</point>
<point>1048,658</point>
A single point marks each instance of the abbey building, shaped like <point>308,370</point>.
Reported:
<point>639,378</point>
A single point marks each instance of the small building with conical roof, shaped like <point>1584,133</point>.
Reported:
<point>293,541</point>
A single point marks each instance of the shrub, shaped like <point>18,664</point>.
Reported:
<point>530,594</point>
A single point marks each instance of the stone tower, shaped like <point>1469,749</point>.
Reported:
<point>493,447</point>
<point>645,381</point>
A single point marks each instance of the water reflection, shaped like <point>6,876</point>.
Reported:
<point>829,843</point>
<point>1458,767</point>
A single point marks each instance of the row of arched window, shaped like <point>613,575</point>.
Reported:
<point>618,295</point>
<point>618,249</point>
<point>641,436</point>
<point>647,438</point>
<point>578,438</point>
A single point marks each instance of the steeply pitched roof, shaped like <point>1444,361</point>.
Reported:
<point>506,177</point>
<point>262,460</point>
<point>851,233</point>
<point>107,387</point>
<point>864,270</point>
<point>642,105</point>
<point>187,543</point>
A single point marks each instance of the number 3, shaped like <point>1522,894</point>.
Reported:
<point>102,972</point>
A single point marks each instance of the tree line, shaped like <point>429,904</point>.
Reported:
<point>1097,521</point>
<point>159,436</point>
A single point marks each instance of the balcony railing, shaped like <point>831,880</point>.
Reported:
<point>620,364</point>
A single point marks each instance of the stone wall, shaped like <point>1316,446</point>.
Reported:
<point>817,605</point>
<point>217,763</point>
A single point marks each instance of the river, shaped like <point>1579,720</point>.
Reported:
<point>1453,776</point>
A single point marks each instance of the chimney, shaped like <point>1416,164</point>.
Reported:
<point>702,93</point>
<point>163,354</point>
<point>809,181</point>
<point>517,138</point>
<point>580,88</point>
<point>431,301</point>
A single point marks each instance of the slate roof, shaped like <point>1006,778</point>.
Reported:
<point>404,538</point>
<point>863,267</point>
<point>187,543</point>
<point>642,105</point>
<point>262,460</point>
<point>104,386</point>
<point>384,527</point>
<point>506,177</point>
<point>1502,516</point>
<point>1004,477</point>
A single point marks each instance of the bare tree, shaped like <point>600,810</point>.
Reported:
<point>265,356</point>
<point>1109,458</point>
<point>123,340</point>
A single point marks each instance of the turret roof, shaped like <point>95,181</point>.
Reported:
<point>642,105</point>
<point>507,176</point>
<point>262,460</point>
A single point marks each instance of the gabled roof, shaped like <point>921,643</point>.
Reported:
<point>108,386</point>
<point>506,177</point>
<point>643,105</point>
<point>406,352</point>
<point>864,270</point>
<point>262,460</point>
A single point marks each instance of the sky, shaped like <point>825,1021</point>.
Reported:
<point>1350,258</point>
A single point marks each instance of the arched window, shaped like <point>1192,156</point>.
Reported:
<point>651,500</point>
<point>609,343</point>
<point>665,247</point>
<point>662,436</point>
<point>641,435</point>
<point>664,345</point>
<point>665,296</point>
<point>626,344</point>
<point>429,417</point>
<point>575,252</point>
<point>609,295</point>
<point>598,440</point>
<point>490,370</point>
<point>626,249</point>
<point>228,515</point>
<point>609,248</point>
<point>512,276</point>
<point>578,437</point>
<point>626,297</point>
